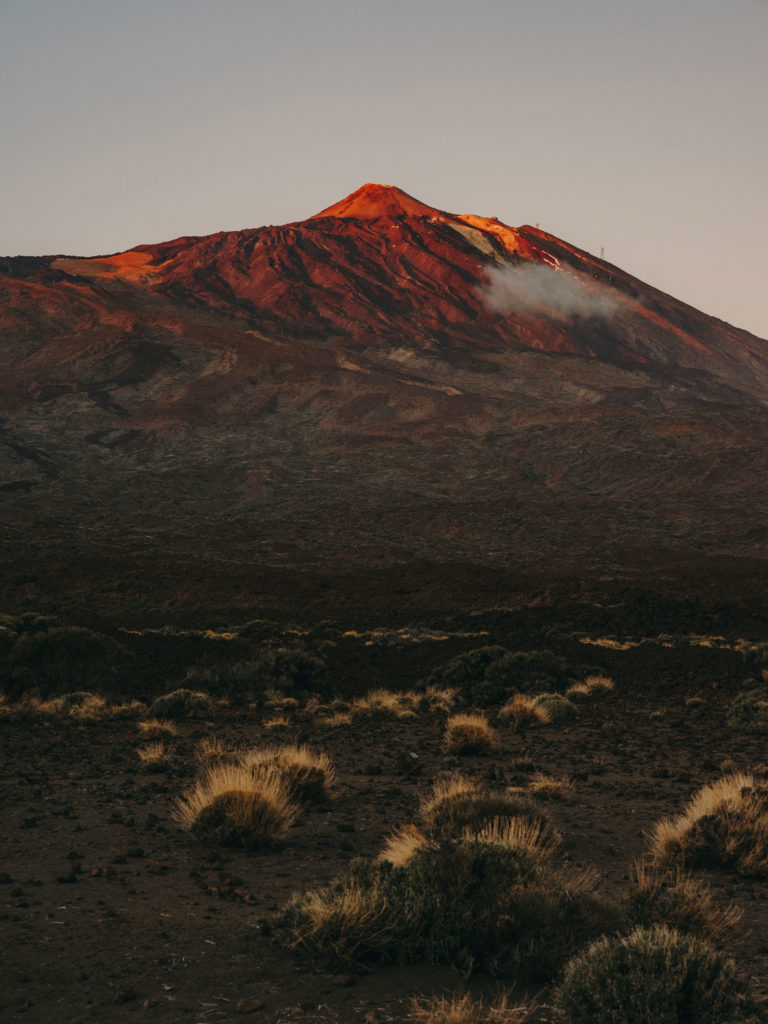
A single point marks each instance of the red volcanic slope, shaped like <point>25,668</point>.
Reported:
<point>340,391</point>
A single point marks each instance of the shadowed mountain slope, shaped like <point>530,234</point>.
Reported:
<point>382,388</point>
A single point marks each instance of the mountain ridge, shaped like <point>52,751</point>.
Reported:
<point>369,390</point>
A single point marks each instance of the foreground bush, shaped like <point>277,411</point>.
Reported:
<point>671,897</point>
<point>469,734</point>
<point>653,976</point>
<point>463,1009</point>
<point>724,825</point>
<point>183,703</point>
<point>458,805</point>
<point>749,712</point>
<point>307,774</point>
<point>235,806</point>
<point>495,901</point>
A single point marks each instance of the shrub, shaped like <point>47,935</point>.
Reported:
<point>557,707</point>
<point>463,1009</point>
<point>307,774</point>
<point>490,675</point>
<point>749,712</point>
<point>290,670</point>
<point>235,806</point>
<point>154,757</point>
<point>183,704</point>
<point>653,976</point>
<point>547,787</point>
<point>469,734</point>
<point>671,897</point>
<point>591,686</point>
<point>494,901</point>
<point>157,727</point>
<point>523,711</point>
<point>725,824</point>
<point>53,659</point>
<point>458,805</point>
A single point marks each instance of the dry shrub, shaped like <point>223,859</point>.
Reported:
<point>749,712</point>
<point>210,751</point>
<point>401,846</point>
<point>556,705</point>
<point>386,702</point>
<point>458,805</point>
<point>494,900</point>
<point>154,757</point>
<point>153,727</point>
<point>307,774</point>
<point>653,976</point>
<point>469,734</point>
<point>674,898</point>
<point>591,686</point>
<point>338,719</point>
<point>523,711</point>
<point>235,806</point>
<point>183,703</point>
<point>547,787</point>
<point>725,824</point>
<point>463,1009</point>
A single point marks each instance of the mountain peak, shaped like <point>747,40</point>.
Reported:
<point>370,201</point>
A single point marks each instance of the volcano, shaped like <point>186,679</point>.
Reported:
<point>385,403</point>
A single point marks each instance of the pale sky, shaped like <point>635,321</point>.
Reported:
<point>637,126</point>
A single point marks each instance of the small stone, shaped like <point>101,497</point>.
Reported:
<point>343,980</point>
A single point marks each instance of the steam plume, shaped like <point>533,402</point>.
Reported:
<point>540,288</point>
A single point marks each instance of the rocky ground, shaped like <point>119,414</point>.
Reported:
<point>111,912</point>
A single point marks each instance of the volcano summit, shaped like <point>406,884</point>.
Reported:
<point>385,403</point>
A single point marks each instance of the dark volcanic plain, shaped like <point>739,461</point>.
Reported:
<point>342,419</point>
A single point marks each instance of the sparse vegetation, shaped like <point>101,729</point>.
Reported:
<point>154,727</point>
<point>725,824</point>
<point>671,897</point>
<point>548,787</point>
<point>510,909</point>
<point>461,1008</point>
<point>469,734</point>
<point>235,806</point>
<point>183,703</point>
<point>459,805</point>
<point>308,775</point>
<point>523,712</point>
<point>653,976</point>
<point>154,757</point>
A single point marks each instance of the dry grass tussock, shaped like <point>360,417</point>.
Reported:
<point>80,706</point>
<point>402,845</point>
<point>154,757</point>
<point>458,805</point>
<point>724,824</point>
<point>672,897</point>
<point>523,712</point>
<point>548,787</point>
<point>309,775</point>
<point>469,734</point>
<point>402,705</point>
<point>590,687</point>
<point>155,727</point>
<point>463,1009</point>
<point>234,805</point>
<point>210,750</point>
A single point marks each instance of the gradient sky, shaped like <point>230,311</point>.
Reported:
<point>638,126</point>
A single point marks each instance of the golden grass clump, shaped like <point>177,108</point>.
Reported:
<point>155,727</point>
<point>402,704</point>
<point>236,806</point>
<point>402,845</point>
<point>463,1009</point>
<point>337,719</point>
<point>458,805</point>
<point>308,775</point>
<point>548,787</point>
<point>590,687</point>
<point>210,750</point>
<point>154,757</point>
<point>671,897</point>
<point>724,824</point>
<point>468,734</point>
<point>523,712</point>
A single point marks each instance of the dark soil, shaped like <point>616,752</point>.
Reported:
<point>111,912</point>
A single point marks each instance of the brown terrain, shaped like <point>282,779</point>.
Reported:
<point>382,437</point>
